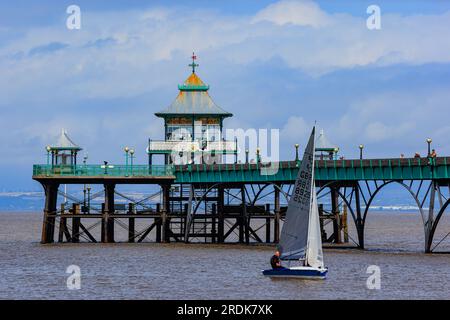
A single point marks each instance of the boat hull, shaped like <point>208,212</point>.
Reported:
<point>297,272</point>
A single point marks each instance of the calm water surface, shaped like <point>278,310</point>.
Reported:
<point>178,271</point>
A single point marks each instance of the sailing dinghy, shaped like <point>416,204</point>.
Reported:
<point>300,239</point>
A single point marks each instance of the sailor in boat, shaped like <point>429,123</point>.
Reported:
<point>275,261</point>
<point>300,238</point>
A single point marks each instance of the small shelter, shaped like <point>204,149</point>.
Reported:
<point>324,148</point>
<point>64,151</point>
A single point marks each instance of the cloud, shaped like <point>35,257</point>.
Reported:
<point>147,47</point>
<point>302,13</point>
<point>282,67</point>
<point>295,130</point>
<point>48,48</point>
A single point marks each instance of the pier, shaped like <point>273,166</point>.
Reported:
<point>209,200</point>
<point>223,198</point>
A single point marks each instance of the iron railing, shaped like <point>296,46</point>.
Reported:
<point>102,170</point>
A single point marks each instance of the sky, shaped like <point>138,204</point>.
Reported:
<point>273,64</point>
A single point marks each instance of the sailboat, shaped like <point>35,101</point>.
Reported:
<point>300,239</point>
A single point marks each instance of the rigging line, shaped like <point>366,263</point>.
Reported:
<point>418,189</point>
<point>440,241</point>
<point>150,196</point>
<point>253,190</point>
<point>265,195</point>
<point>140,202</point>
<point>69,226</point>
<point>141,232</point>
<point>323,195</point>
<point>82,233</point>
<point>362,194</point>
<point>124,196</point>
<point>426,194</point>
<point>348,235</point>
<point>230,225</point>
<point>66,195</point>
<point>368,188</point>
<point>247,198</point>
<point>351,196</point>
<point>229,194</point>
<point>260,227</point>
<point>121,223</point>
<point>96,195</point>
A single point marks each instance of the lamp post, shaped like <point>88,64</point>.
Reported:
<point>361,147</point>
<point>336,150</point>
<point>84,163</point>
<point>126,149</point>
<point>246,155</point>
<point>48,149</point>
<point>429,146</point>
<point>131,159</point>
<point>89,199</point>
<point>84,187</point>
<point>84,199</point>
<point>296,151</point>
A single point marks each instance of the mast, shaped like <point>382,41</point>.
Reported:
<point>312,202</point>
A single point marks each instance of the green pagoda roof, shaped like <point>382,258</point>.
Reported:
<point>193,99</point>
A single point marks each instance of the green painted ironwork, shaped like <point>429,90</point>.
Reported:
<point>102,170</point>
<point>193,87</point>
<point>286,171</point>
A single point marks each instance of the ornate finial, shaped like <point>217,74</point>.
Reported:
<point>193,64</point>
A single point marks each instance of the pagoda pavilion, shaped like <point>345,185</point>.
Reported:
<point>193,126</point>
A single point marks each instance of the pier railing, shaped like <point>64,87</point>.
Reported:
<point>93,170</point>
<point>326,170</point>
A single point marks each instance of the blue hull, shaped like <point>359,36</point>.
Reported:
<point>296,273</point>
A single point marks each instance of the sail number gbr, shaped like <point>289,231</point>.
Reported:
<point>302,191</point>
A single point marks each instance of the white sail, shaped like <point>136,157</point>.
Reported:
<point>314,255</point>
<point>294,235</point>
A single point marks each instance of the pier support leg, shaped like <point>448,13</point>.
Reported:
<point>335,212</point>
<point>344,223</point>
<point>165,211</point>
<point>131,227</point>
<point>213,223</point>
<point>277,211</point>
<point>158,222</point>
<point>245,221</point>
<point>75,223</point>
<point>108,221</point>
<point>48,224</point>
<point>430,219</point>
<point>268,223</point>
<point>359,223</point>
<point>63,231</point>
<point>221,224</point>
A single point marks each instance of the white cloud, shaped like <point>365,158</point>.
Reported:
<point>136,53</point>
<point>295,130</point>
<point>302,13</point>
<point>127,53</point>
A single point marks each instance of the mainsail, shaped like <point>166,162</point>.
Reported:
<point>301,237</point>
